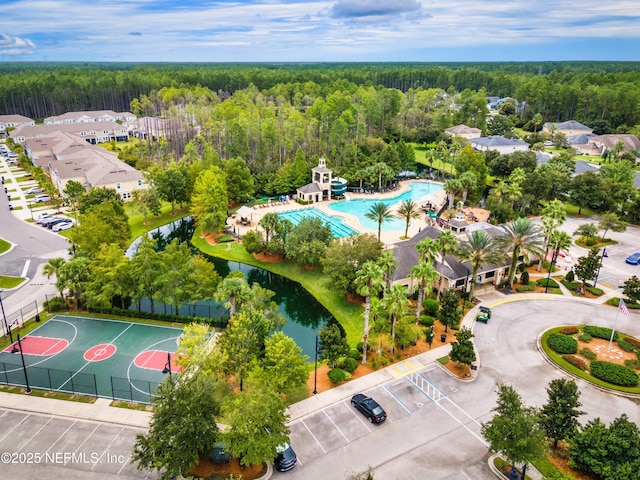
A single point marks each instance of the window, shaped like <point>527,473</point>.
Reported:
<point>139,183</point>
<point>460,282</point>
<point>490,274</point>
<point>118,186</point>
<point>92,132</point>
<point>83,133</point>
<point>106,132</point>
<point>125,195</point>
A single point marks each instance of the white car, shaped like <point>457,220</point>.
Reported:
<point>33,191</point>
<point>41,217</point>
<point>62,226</point>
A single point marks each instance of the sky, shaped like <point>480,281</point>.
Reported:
<point>319,31</point>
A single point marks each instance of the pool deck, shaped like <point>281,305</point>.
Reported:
<point>389,237</point>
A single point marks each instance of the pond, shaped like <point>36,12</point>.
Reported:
<point>304,314</point>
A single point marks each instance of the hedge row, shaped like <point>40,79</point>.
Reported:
<point>543,282</point>
<point>562,343</point>
<point>525,288</point>
<point>216,322</point>
<point>632,341</point>
<point>599,332</point>
<point>614,373</point>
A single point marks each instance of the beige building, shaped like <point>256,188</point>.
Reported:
<point>91,117</point>
<point>91,132</point>
<point>320,187</point>
<point>568,128</point>
<point>464,131</point>
<point>69,157</point>
<point>13,121</point>
<point>502,145</point>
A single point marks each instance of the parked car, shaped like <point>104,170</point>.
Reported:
<point>633,259</point>
<point>33,191</point>
<point>41,198</point>
<point>59,227</point>
<point>369,408</point>
<point>41,217</point>
<point>285,459</point>
<point>45,221</point>
<point>50,225</point>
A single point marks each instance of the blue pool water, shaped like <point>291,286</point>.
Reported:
<point>339,229</point>
<point>361,206</point>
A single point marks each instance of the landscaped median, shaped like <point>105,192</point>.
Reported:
<point>314,281</point>
<point>588,353</point>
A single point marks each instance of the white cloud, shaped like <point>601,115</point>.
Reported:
<point>10,45</point>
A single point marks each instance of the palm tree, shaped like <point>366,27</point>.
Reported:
<point>452,187</point>
<point>445,243</point>
<point>408,210</point>
<point>388,263</point>
<point>396,302</point>
<point>553,215</point>
<point>231,290</point>
<point>559,240</point>
<point>52,267</point>
<point>425,274</point>
<point>368,282</point>
<point>523,237</point>
<point>479,249</point>
<point>468,180</point>
<point>428,250</point>
<point>380,213</point>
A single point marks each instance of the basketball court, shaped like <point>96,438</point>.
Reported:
<point>105,358</point>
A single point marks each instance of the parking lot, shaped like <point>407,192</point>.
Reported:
<point>32,444</point>
<point>424,398</point>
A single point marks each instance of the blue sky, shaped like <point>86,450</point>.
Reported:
<point>315,31</point>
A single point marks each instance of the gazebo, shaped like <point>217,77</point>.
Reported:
<point>245,213</point>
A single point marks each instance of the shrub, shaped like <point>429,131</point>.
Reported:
<point>524,278</point>
<point>614,373</point>
<point>570,276</point>
<point>562,343</point>
<point>521,268</point>
<point>626,346</point>
<point>427,321</point>
<point>632,341</point>
<point>224,239</point>
<point>338,375</point>
<point>632,363</point>
<point>431,307</point>
<point>595,291</point>
<point>349,364</point>
<point>359,346</point>
<point>575,361</point>
<point>599,332</point>
<point>355,354</point>
<point>526,288</point>
<point>56,304</point>
<point>569,331</point>
<point>588,354</point>
<point>591,241</point>
<point>585,337</point>
<point>550,282</point>
<point>253,241</point>
<point>571,285</point>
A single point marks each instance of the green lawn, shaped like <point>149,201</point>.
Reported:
<point>4,245</point>
<point>314,281</point>
<point>136,220</point>
<point>10,282</point>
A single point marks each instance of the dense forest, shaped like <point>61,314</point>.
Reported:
<point>590,92</point>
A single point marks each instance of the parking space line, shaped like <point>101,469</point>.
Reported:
<point>31,438</point>
<point>482,440</point>
<point>334,424</point>
<point>85,440</point>
<point>359,417</point>
<point>15,426</point>
<point>314,437</point>
<point>60,436</point>
<point>108,447</point>
<point>124,464</point>
<point>397,399</point>
<point>464,412</point>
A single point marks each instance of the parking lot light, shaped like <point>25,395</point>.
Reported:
<point>17,349</point>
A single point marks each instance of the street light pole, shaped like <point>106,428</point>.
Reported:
<point>603,256</point>
<point>315,371</point>
<point>24,367</point>
<point>6,325</point>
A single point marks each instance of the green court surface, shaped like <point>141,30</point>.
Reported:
<point>105,358</point>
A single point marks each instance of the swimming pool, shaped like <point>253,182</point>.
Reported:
<point>359,207</point>
<point>338,228</point>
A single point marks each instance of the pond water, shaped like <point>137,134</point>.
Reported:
<point>304,314</point>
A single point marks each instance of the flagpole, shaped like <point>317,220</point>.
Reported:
<point>613,332</point>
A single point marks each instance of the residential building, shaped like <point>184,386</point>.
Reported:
<point>464,131</point>
<point>13,121</point>
<point>92,132</point>
<point>602,143</point>
<point>91,117</point>
<point>502,145</point>
<point>568,128</point>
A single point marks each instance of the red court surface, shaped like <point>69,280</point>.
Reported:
<point>40,346</point>
<point>100,352</point>
<point>157,360</point>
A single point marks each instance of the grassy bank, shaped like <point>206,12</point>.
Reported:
<point>314,281</point>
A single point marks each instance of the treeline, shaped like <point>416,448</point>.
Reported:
<point>586,91</point>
